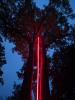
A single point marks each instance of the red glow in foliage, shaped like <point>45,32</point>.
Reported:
<point>39,66</point>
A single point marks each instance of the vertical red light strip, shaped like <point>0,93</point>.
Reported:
<point>39,68</point>
<point>38,63</point>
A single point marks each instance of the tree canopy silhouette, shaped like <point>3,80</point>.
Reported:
<point>20,21</point>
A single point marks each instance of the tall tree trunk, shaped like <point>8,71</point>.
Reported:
<point>46,92</point>
<point>26,85</point>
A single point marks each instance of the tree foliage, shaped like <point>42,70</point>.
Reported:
<point>2,60</point>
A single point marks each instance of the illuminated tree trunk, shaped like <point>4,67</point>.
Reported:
<point>36,75</point>
<point>36,72</point>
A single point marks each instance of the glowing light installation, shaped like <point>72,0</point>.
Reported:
<point>38,68</point>
<point>38,46</point>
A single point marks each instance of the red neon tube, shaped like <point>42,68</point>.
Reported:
<point>38,62</point>
<point>39,68</point>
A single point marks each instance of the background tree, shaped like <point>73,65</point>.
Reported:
<point>20,22</point>
<point>2,60</point>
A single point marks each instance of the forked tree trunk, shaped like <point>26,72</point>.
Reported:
<point>27,82</point>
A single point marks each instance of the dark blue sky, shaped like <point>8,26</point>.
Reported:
<point>14,61</point>
<point>72,2</point>
<point>40,3</point>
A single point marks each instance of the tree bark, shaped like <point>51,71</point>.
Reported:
<point>26,85</point>
<point>46,92</point>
